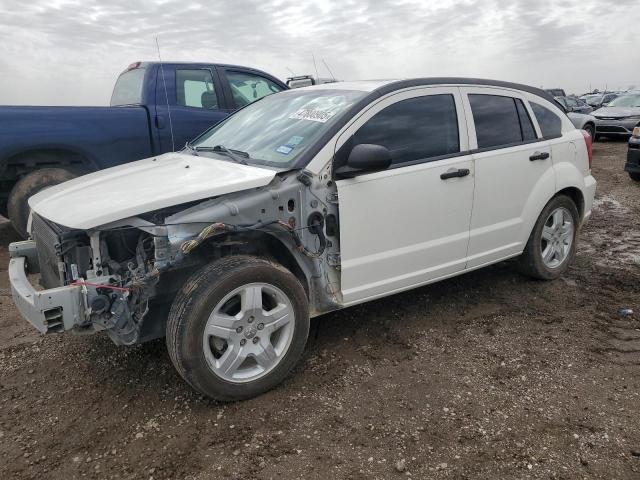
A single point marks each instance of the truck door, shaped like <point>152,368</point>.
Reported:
<point>196,102</point>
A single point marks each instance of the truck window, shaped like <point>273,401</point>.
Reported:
<point>195,88</point>
<point>128,88</point>
<point>247,87</point>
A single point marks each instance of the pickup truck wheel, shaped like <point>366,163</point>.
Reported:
<point>27,186</point>
<point>237,327</point>
<point>635,176</point>
<point>552,243</point>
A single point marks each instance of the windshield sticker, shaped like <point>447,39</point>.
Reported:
<point>295,140</point>
<point>311,114</point>
<point>284,149</point>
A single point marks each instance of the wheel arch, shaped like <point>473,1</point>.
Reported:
<point>33,158</point>
<point>261,244</point>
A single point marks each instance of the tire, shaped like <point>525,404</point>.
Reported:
<point>202,360</point>
<point>532,262</point>
<point>597,138</point>
<point>29,185</point>
<point>635,176</point>
<point>590,129</point>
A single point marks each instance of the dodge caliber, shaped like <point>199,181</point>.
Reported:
<point>302,203</point>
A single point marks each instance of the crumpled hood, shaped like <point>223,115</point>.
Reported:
<point>143,186</point>
<point>616,112</point>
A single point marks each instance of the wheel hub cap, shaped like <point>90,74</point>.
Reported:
<point>557,237</point>
<point>248,332</point>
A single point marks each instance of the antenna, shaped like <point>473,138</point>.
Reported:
<point>166,96</point>
<point>330,72</point>
<point>292,72</point>
<point>316,67</point>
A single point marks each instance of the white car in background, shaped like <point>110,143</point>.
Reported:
<point>305,202</point>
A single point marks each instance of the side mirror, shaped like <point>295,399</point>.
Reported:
<point>366,157</point>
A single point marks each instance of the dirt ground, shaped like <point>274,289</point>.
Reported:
<point>488,375</point>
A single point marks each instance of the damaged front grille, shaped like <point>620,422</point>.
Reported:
<point>54,243</point>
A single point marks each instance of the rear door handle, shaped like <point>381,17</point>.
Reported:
<point>455,172</point>
<point>539,156</point>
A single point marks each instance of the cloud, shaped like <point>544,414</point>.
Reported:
<point>70,52</point>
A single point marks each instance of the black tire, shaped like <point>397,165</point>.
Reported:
<point>29,185</point>
<point>597,138</point>
<point>590,129</point>
<point>531,262</point>
<point>195,302</point>
<point>635,176</point>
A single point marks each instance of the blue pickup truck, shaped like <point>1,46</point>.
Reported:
<point>155,108</point>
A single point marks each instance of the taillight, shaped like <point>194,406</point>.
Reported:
<point>589,142</point>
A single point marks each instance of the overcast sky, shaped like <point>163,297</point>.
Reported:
<point>70,51</point>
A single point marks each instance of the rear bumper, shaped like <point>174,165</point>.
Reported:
<point>589,194</point>
<point>633,156</point>
<point>54,310</point>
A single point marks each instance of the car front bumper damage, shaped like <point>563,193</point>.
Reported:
<point>50,311</point>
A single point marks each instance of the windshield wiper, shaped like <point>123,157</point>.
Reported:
<point>235,155</point>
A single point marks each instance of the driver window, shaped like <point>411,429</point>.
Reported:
<point>415,129</point>
<point>247,88</point>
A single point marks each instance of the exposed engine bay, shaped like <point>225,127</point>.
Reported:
<point>130,270</point>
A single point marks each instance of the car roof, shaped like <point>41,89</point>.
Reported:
<point>383,87</point>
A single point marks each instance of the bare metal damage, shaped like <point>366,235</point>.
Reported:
<point>293,220</point>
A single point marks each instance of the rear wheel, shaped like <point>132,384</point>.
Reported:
<point>29,185</point>
<point>635,176</point>
<point>552,243</point>
<point>238,327</point>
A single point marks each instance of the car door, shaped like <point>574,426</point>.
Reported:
<point>513,164</point>
<point>245,86</point>
<point>409,224</point>
<point>196,103</point>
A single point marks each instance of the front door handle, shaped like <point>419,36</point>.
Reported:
<point>455,172</point>
<point>539,156</point>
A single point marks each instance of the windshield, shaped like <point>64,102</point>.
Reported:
<point>626,101</point>
<point>128,89</point>
<point>276,130</point>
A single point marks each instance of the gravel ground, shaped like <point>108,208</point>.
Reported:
<point>488,375</point>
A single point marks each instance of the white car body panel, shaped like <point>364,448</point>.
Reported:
<point>497,223</point>
<point>143,186</point>
<point>399,227</point>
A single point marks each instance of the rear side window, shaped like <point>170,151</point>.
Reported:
<point>195,88</point>
<point>526,126</point>
<point>550,123</point>
<point>496,119</point>
<point>414,129</point>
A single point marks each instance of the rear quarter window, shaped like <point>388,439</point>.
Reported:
<point>550,123</point>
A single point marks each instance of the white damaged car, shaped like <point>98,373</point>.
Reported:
<point>305,202</point>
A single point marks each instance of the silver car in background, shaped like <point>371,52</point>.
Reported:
<point>619,117</point>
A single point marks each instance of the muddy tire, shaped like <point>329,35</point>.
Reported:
<point>552,244</point>
<point>238,327</point>
<point>29,185</point>
<point>635,176</point>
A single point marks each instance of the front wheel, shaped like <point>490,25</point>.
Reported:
<point>635,176</point>
<point>238,327</point>
<point>552,243</point>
